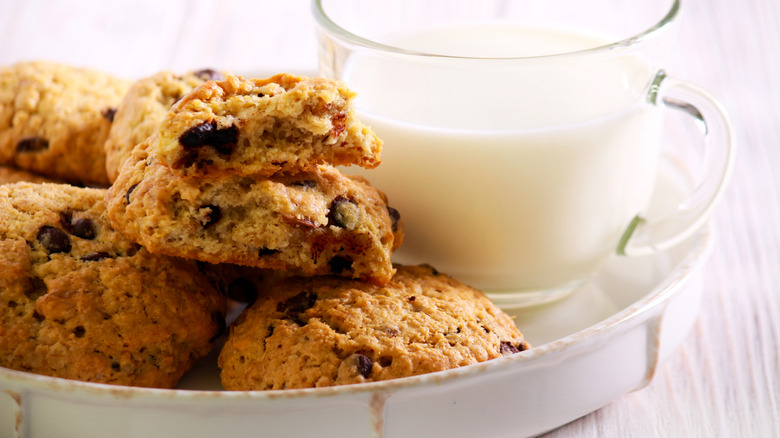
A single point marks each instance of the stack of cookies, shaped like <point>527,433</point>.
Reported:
<point>218,187</point>
<point>78,299</point>
<point>242,171</point>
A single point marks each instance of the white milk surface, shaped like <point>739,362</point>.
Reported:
<point>509,174</point>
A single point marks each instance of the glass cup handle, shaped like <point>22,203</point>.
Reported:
<point>645,237</point>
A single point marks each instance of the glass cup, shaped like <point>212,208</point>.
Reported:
<point>522,138</point>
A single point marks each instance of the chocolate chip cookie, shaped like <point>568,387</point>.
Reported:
<point>143,108</point>
<point>324,331</point>
<point>55,118</point>
<point>318,222</point>
<point>80,301</point>
<point>264,126</point>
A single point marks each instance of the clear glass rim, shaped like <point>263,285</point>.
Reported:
<point>322,18</point>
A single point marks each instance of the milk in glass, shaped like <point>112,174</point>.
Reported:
<point>575,143</point>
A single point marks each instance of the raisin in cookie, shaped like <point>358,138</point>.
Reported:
<point>54,119</point>
<point>80,301</point>
<point>324,331</point>
<point>318,222</point>
<point>143,108</point>
<point>263,126</point>
<point>10,175</point>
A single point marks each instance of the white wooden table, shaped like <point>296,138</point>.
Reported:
<point>725,379</point>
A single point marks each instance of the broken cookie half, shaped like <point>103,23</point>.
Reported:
<point>264,126</point>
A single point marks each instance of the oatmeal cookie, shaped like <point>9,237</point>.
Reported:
<point>80,301</point>
<point>324,331</point>
<point>264,126</point>
<point>54,119</point>
<point>10,175</point>
<point>318,222</point>
<point>143,108</point>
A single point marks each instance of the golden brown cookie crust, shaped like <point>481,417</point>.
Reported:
<point>80,301</point>
<point>54,119</point>
<point>324,331</point>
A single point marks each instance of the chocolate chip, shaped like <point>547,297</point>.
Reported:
<point>224,140</point>
<point>79,332</point>
<point>298,303</point>
<point>37,316</point>
<point>96,256</point>
<point>412,298</point>
<point>219,319</point>
<point>343,213</point>
<point>242,290</point>
<point>385,361</point>
<point>129,191</point>
<point>65,221</point>
<point>295,306</point>
<point>308,183</point>
<point>364,365</point>
<point>507,348</point>
<point>32,144</point>
<point>212,216</point>
<point>395,217</point>
<point>36,289</point>
<point>84,228</point>
<point>266,251</point>
<point>54,239</point>
<point>208,74</point>
<point>116,367</point>
<point>339,264</point>
<point>109,114</point>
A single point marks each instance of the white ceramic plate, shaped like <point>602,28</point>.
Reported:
<point>597,344</point>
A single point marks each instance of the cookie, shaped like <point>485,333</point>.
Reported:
<point>80,301</point>
<point>10,175</point>
<point>318,222</point>
<point>325,331</point>
<point>264,126</point>
<point>55,118</point>
<point>142,109</point>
